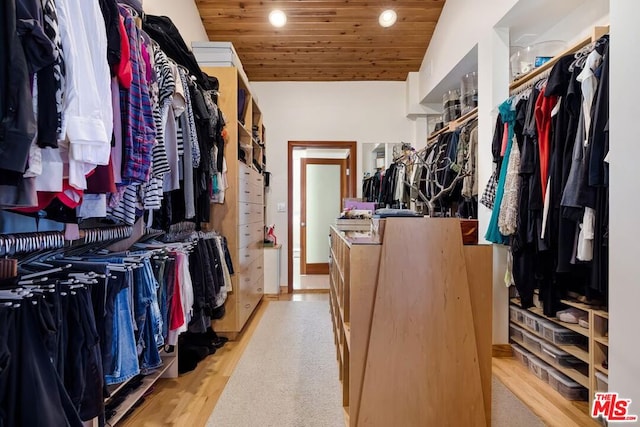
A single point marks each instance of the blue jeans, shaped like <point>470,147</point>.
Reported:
<point>124,357</point>
<point>148,317</point>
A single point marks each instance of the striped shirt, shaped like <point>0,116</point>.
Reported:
<point>137,112</point>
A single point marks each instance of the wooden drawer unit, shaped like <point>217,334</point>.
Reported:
<point>249,254</point>
<point>250,233</point>
<point>249,192</point>
<point>241,217</point>
<point>250,213</point>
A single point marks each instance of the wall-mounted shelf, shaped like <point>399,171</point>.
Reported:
<point>453,125</point>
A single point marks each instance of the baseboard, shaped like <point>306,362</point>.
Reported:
<point>284,289</point>
<point>502,350</point>
<point>311,291</point>
<point>320,268</point>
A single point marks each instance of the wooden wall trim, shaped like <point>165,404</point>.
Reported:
<point>502,350</point>
<point>353,167</point>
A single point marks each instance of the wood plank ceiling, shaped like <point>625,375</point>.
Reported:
<point>324,40</point>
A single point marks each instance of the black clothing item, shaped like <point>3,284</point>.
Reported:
<point>51,82</point>
<point>598,168</point>
<point>38,48</point>
<point>166,34</point>
<point>562,83</point>
<point>17,121</point>
<point>111,17</point>
<point>32,377</point>
<point>83,360</point>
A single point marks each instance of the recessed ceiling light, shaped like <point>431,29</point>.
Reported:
<point>277,18</point>
<point>388,18</point>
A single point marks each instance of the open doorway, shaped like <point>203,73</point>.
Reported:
<point>320,177</point>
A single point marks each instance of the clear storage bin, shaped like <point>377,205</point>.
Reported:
<point>561,335</point>
<point>516,314</point>
<point>602,382</point>
<point>568,388</point>
<point>521,354</point>
<point>532,321</point>
<point>531,341</point>
<point>469,92</point>
<point>559,357</point>
<point>515,332</point>
<point>539,368</point>
<point>450,106</point>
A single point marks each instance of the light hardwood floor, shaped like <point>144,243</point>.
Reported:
<point>553,409</point>
<point>190,399</point>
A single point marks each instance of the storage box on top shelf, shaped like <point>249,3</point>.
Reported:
<point>217,54</point>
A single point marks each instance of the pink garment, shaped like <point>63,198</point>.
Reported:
<point>147,63</point>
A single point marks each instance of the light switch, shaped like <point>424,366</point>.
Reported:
<point>281,207</point>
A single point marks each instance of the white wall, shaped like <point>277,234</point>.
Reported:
<point>624,292</point>
<point>183,13</point>
<point>325,111</point>
<point>461,24</point>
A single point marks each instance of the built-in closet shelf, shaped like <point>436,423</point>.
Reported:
<point>243,210</point>
<point>244,132</point>
<point>585,307</point>
<point>147,382</point>
<point>454,124</point>
<point>347,333</point>
<point>538,311</point>
<point>575,375</point>
<point>594,354</point>
<point>573,350</point>
<point>547,66</point>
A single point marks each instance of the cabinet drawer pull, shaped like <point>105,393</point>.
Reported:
<point>247,256</point>
<point>247,173</point>
<point>248,279</point>
<point>247,191</point>
<point>247,235</point>
<point>247,306</point>
<point>247,213</point>
<point>260,268</point>
<point>259,289</point>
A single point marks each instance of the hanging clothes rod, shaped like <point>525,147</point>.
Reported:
<point>17,243</point>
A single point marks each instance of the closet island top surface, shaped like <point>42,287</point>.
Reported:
<point>359,237</point>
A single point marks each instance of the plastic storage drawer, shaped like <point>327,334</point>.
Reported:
<point>532,321</point>
<point>532,342</point>
<point>539,368</point>
<point>568,388</point>
<point>562,336</point>
<point>515,332</point>
<point>516,314</point>
<point>521,354</point>
<point>602,382</point>
<point>555,356</point>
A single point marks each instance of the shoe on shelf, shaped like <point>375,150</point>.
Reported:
<point>571,315</point>
<point>583,322</point>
